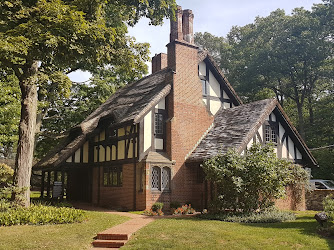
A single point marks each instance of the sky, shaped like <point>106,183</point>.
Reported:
<point>214,16</point>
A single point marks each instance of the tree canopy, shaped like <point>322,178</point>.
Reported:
<point>285,56</point>
<point>41,41</point>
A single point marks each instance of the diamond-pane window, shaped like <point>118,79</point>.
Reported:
<point>165,178</point>
<point>155,181</point>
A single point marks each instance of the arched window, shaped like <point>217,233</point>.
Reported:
<point>156,177</point>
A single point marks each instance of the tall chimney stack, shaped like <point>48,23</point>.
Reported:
<point>187,26</point>
<point>159,61</point>
<point>176,26</point>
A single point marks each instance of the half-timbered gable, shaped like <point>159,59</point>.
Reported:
<point>258,122</point>
<point>217,91</point>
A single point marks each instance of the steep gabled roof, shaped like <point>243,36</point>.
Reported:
<point>234,127</point>
<point>130,103</point>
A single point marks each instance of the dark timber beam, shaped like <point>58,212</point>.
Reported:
<point>62,185</point>
<point>42,184</point>
<point>48,185</point>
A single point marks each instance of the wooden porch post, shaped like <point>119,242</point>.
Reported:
<point>55,176</point>
<point>48,185</point>
<point>42,184</point>
<point>62,184</point>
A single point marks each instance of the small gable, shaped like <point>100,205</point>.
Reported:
<point>258,122</point>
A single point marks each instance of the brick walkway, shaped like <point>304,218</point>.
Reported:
<point>117,236</point>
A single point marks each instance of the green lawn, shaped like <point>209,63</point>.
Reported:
<point>64,236</point>
<point>192,233</point>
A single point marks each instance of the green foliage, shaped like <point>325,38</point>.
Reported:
<point>9,113</point>
<point>328,204</point>
<point>251,181</point>
<point>290,57</point>
<point>157,206</point>
<point>6,173</point>
<point>41,215</point>
<point>267,216</point>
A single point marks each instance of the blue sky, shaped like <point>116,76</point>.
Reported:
<point>214,16</point>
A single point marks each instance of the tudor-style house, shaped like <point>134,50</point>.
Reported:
<point>147,141</point>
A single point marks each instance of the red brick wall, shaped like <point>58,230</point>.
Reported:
<point>189,118</point>
<point>290,203</point>
<point>115,197</point>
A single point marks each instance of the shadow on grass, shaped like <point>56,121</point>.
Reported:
<point>304,224</point>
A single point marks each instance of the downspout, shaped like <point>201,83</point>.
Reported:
<point>135,174</point>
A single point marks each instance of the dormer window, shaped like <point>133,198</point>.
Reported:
<point>270,133</point>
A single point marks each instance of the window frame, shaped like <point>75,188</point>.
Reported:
<point>270,129</point>
<point>111,173</point>
<point>160,170</point>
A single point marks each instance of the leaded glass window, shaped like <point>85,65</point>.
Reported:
<point>155,180</point>
<point>165,178</point>
<point>158,124</point>
<point>112,176</point>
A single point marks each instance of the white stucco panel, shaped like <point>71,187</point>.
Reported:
<point>299,155</point>
<point>159,143</point>
<point>214,106</point>
<point>250,143</point>
<point>214,86</point>
<point>161,104</point>
<point>260,130</point>
<point>225,96</point>
<point>77,156</point>
<point>291,149</point>
<point>202,68</point>
<point>147,131</point>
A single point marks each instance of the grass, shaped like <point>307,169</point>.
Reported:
<point>64,236</point>
<point>194,233</point>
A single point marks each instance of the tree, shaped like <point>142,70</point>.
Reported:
<point>251,181</point>
<point>9,114</point>
<point>41,41</point>
<point>289,55</point>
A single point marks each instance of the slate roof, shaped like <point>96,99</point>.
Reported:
<point>233,128</point>
<point>130,103</point>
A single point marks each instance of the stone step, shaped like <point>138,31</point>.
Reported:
<point>109,243</point>
<point>112,236</point>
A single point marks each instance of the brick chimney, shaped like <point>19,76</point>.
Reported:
<point>159,61</point>
<point>187,26</point>
<point>176,25</point>
<point>189,118</point>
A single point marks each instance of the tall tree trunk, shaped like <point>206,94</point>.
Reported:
<point>301,124</point>
<point>25,148</point>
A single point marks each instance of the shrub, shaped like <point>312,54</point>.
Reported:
<point>157,206</point>
<point>153,213</point>
<point>267,216</point>
<point>40,215</point>
<point>251,181</point>
<point>6,173</point>
<point>328,204</point>
<point>185,209</point>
